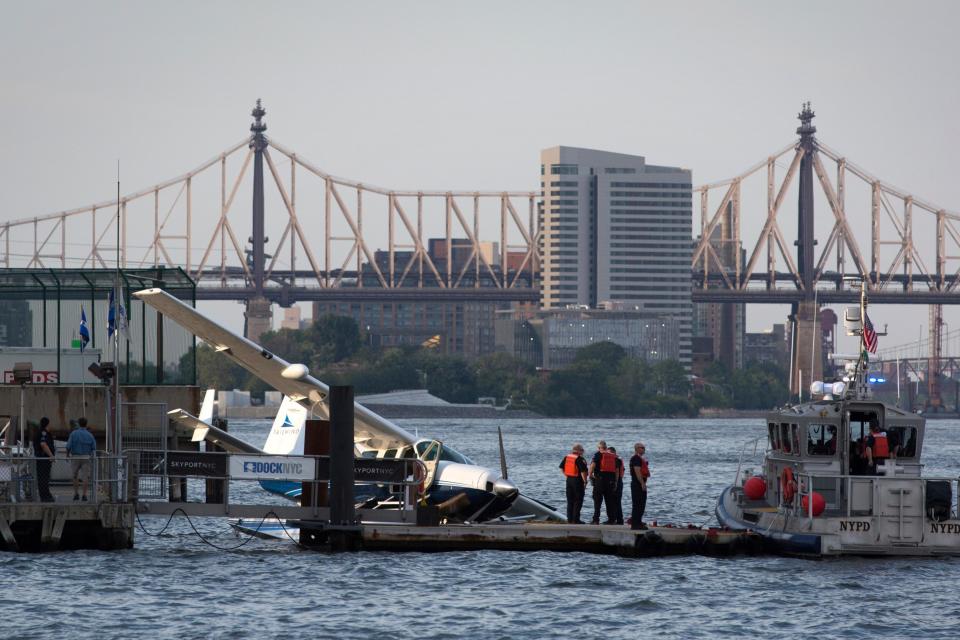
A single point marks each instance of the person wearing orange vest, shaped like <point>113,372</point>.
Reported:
<point>574,467</point>
<point>639,473</point>
<point>603,471</point>
<point>878,447</point>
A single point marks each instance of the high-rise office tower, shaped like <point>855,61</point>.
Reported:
<point>614,228</point>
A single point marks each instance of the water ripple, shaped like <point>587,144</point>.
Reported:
<point>174,586</point>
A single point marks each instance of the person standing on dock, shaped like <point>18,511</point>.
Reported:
<point>575,469</point>
<point>44,451</point>
<point>639,473</point>
<point>80,446</point>
<point>603,471</point>
<point>618,490</point>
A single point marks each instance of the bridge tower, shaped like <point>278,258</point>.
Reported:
<point>805,315</point>
<point>258,316</point>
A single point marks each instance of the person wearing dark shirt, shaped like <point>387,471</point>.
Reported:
<point>639,473</point>
<point>618,490</point>
<point>44,451</point>
<point>603,471</point>
<point>574,467</point>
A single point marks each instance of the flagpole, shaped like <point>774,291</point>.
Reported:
<point>83,384</point>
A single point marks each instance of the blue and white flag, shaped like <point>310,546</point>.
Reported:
<point>111,318</point>
<point>84,332</point>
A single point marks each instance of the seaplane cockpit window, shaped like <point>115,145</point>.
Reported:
<point>774,436</point>
<point>454,456</point>
<point>785,437</point>
<point>821,439</point>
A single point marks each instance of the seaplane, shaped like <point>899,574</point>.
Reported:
<point>452,479</point>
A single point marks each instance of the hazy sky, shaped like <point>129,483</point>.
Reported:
<point>452,95</point>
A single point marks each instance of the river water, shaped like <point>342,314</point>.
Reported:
<point>176,586</point>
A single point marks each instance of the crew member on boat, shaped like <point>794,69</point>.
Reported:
<point>877,447</point>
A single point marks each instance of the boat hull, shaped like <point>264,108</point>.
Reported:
<point>837,535</point>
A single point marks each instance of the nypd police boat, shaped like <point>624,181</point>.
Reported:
<point>817,493</point>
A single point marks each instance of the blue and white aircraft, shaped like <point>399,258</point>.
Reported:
<point>449,473</point>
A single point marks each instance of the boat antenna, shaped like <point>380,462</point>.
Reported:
<point>813,336</point>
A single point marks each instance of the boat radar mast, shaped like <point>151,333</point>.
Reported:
<point>854,385</point>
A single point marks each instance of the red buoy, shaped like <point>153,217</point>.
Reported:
<point>819,504</point>
<point>754,488</point>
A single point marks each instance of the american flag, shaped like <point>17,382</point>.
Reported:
<point>869,335</point>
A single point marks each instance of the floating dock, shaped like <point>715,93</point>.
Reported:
<point>541,536</point>
<point>53,526</point>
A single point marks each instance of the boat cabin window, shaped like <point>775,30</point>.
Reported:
<point>860,422</point>
<point>785,438</point>
<point>902,441</point>
<point>795,435</point>
<point>821,439</point>
<point>774,436</point>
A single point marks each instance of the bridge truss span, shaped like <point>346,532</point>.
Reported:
<point>330,233</point>
<point>876,233</point>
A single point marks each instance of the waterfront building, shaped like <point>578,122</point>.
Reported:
<point>614,228</point>
<point>550,338</point>
<point>453,326</point>
<point>767,346</point>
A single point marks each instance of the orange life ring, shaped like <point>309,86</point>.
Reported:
<point>788,486</point>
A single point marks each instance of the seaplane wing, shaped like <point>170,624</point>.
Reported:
<point>292,380</point>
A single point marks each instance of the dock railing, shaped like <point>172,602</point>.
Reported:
<point>20,477</point>
<point>206,484</point>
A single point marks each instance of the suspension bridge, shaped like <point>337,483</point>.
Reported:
<point>345,240</point>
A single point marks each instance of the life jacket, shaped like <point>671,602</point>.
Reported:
<point>644,468</point>
<point>608,462</point>
<point>881,448</point>
<point>570,465</point>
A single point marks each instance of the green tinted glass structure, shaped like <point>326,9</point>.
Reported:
<point>40,320</point>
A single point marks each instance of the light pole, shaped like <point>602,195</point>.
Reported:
<point>22,375</point>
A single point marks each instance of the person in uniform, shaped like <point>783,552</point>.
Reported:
<point>574,467</point>
<point>639,473</point>
<point>877,447</point>
<point>603,472</point>
<point>44,451</point>
<point>618,490</point>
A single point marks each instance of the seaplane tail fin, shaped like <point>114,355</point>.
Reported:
<point>286,434</point>
<point>206,409</point>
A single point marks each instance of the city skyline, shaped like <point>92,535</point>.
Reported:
<point>675,84</point>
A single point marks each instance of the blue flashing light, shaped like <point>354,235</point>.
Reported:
<point>875,380</point>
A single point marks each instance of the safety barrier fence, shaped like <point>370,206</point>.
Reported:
<point>30,479</point>
<point>167,481</point>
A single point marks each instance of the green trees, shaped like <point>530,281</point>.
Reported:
<point>756,386</point>
<point>216,371</point>
<point>602,380</point>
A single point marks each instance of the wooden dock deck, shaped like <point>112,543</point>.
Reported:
<point>601,539</point>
